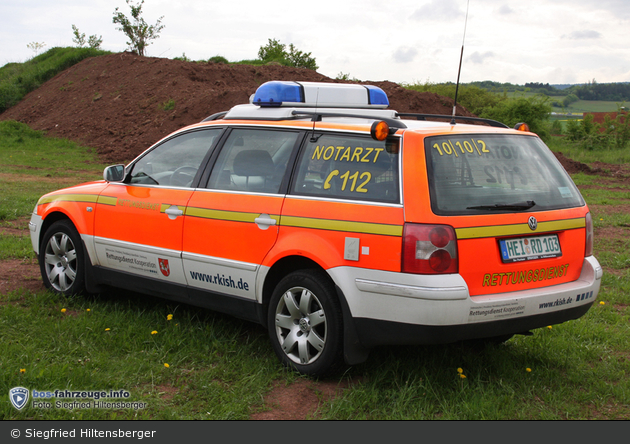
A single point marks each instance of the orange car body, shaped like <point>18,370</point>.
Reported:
<point>225,240</point>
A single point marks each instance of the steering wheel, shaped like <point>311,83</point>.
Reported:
<point>183,176</point>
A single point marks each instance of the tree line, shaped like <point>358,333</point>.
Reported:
<point>591,90</point>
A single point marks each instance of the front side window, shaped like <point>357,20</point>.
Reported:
<point>491,173</point>
<point>349,167</point>
<point>253,160</point>
<point>176,161</point>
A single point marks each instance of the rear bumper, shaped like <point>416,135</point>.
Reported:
<point>397,308</point>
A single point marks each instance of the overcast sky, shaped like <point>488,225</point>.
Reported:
<point>404,41</point>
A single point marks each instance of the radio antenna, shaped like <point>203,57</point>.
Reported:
<point>315,118</point>
<point>461,56</point>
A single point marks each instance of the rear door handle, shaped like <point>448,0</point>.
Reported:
<point>173,212</point>
<point>264,221</point>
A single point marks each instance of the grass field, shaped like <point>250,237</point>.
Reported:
<point>197,364</point>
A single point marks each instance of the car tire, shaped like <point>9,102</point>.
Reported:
<point>305,323</point>
<point>62,260</point>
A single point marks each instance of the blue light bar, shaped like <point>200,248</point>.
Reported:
<point>275,93</point>
<point>377,96</point>
<point>319,94</point>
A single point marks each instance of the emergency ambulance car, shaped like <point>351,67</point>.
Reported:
<point>336,223</point>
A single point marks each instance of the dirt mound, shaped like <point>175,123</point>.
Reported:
<point>573,166</point>
<point>122,103</point>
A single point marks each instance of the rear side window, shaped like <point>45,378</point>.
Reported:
<point>349,167</point>
<point>495,174</point>
<point>253,160</point>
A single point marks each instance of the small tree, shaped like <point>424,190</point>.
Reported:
<point>275,51</point>
<point>139,33</point>
<point>79,38</point>
<point>35,46</point>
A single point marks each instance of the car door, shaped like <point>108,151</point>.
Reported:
<point>138,223</point>
<point>232,224</point>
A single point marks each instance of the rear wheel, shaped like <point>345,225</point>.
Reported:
<point>61,259</point>
<point>305,323</point>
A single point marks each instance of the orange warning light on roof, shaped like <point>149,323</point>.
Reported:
<point>521,126</point>
<point>379,130</point>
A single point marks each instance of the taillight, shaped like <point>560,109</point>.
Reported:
<point>429,249</point>
<point>588,246</point>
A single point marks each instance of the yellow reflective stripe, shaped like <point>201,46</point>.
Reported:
<point>233,216</point>
<point>164,207</point>
<point>107,200</point>
<point>516,229</point>
<point>342,225</point>
<point>90,198</point>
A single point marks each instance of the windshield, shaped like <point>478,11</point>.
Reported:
<point>473,174</point>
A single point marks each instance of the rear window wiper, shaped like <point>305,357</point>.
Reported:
<point>517,206</point>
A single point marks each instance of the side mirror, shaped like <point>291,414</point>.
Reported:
<point>114,173</point>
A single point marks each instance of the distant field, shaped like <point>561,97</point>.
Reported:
<point>581,106</point>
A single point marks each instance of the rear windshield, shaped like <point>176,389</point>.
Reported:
<point>480,174</point>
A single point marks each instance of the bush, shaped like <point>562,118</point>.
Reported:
<point>277,52</point>
<point>613,134</point>
<point>534,111</point>
<point>473,98</point>
<point>218,59</point>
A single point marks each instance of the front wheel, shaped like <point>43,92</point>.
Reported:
<point>305,323</point>
<point>61,259</point>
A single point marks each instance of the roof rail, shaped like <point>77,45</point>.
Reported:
<point>215,116</point>
<point>316,116</point>
<point>463,118</point>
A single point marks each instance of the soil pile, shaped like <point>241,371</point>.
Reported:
<point>122,103</point>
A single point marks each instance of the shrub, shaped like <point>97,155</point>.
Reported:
<point>218,59</point>
<point>275,51</point>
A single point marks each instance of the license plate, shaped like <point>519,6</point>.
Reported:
<point>530,248</point>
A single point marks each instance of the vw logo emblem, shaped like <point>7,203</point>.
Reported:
<point>533,223</point>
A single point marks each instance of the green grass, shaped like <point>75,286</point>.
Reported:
<point>218,366</point>
<point>576,152</point>
<point>46,163</point>
<point>222,368</point>
<point>18,79</point>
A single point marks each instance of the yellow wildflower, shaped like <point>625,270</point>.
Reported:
<point>154,332</point>
<point>602,303</point>
<point>87,309</point>
<point>22,370</point>
<point>169,317</point>
<point>463,376</point>
<point>63,310</point>
<point>460,370</point>
<point>166,365</point>
<point>549,327</point>
<point>108,329</point>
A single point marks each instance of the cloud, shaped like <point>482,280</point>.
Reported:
<point>582,35</point>
<point>405,55</point>
<point>478,58</point>
<point>438,10</point>
<point>505,10</point>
